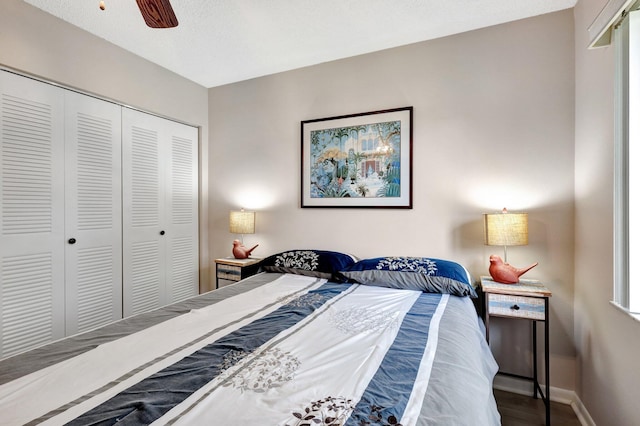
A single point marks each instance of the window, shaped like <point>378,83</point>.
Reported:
<point>627,163</point>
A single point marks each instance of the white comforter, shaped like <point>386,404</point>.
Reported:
<point>296,350</point>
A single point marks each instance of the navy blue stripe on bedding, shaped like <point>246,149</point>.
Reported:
<point>387,394</point>
<point>151,398</point>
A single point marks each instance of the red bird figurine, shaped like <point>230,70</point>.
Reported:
<point>240,251</point>
<point>503,272</point>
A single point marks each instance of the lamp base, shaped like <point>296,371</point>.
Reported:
<point>504,273</point>
<point>240,251</point>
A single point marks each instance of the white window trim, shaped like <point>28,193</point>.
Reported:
<point>625,310</point>
<point>627,101</point>
<point>621,240</point>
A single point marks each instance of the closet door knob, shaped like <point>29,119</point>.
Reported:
<point>161,232</point>
<point>72,240</point>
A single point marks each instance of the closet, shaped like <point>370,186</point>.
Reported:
<point>98,212</point>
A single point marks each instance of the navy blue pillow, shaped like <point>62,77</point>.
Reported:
<point>413,273</point>
<point>313,263</point>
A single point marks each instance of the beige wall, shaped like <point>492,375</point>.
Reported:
<point>608,341</point>
<point>493,127</point>
<point>36,43</point>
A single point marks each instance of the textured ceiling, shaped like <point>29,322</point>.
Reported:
<point>225,41</point>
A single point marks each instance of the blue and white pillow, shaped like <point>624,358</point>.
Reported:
<point>412,273</point>
<point>313,263</point>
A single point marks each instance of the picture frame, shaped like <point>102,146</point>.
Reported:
<point>358,161</point>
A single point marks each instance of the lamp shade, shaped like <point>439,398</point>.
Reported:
<point>506,229</point>
<point>242,222</point>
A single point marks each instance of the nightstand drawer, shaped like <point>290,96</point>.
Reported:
<point>232,269</point>
<point>229,272</point>
<point>516,306</point>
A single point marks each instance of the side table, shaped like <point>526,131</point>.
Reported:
<point>527,300</point>
<point>232,269</point>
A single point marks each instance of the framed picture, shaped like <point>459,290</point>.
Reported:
<point>358,160</point>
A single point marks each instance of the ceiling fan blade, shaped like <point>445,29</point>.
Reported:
<point>158,13</point>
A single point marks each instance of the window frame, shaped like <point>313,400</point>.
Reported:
<point>626,293</point>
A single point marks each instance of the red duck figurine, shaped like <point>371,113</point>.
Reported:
<point>240,251</point>
<point>503,272</point>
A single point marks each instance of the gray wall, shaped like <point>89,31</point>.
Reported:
<point>608,340</point>
<point>493,127</point>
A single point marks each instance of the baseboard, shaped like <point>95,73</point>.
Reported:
<point>562,396</point>
<point>525,387</point>
<point>582,413</point>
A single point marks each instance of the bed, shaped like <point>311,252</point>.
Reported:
<point>318,338</point>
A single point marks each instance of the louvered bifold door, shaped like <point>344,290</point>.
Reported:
<point>160,211</point>
<point>144,162</point>
<point>93,212</point>
<point>32,213</point>
<point>182,212</point>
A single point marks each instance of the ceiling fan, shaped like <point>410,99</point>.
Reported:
<point>156,13</point>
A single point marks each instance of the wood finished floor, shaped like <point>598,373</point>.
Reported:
<point>521,410</point>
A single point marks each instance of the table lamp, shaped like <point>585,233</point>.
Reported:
<point>242,222</point>
<point>506,229</point>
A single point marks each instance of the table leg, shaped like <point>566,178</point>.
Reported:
<point>535,359</point>
<point>546,361</point>
<point>486,315</point>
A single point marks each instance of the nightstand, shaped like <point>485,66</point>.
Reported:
<point>232,269</point>
<point>528,300</point>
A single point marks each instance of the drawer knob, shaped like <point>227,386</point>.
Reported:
<point>515,307</point>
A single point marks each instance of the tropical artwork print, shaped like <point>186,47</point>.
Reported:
<point>361,161</point>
